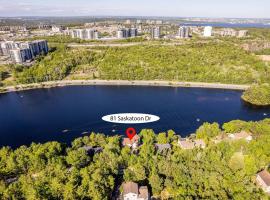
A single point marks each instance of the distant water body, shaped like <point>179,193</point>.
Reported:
<point>62,114</point>
<point>229,25</point>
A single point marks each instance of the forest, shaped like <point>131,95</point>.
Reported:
<point>54,170</point>
<point>221,62</point>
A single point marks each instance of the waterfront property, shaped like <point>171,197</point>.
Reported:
<point>242,135</point>
<point>133,143</point>
<point>187,143</point>
<point>162,147</point>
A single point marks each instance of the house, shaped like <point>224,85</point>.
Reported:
<point>186,144</point>
<point>199,143</point>
<point>263,180</point>
<point>241,135</point>
<point>162,147</point>
<point>131,191</point>
<point>220,138</point>
<point>134,142</point>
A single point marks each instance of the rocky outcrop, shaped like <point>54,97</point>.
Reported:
<point>256,46</point>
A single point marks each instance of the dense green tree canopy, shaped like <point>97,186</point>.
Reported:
<point>258,95</point>
<point>58,171</point>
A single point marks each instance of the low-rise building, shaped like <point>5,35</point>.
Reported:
<point>131,191</point>
<point>242,33</point>
<point>199,143</point>
<point>133,143</point>
<point>162,147</point>
<point>263,180</point>
<point>229,32</point>
<point>186,144</point>
<point>191,144</point>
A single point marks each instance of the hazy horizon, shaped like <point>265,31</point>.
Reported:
<point>150,8</point>
<point>127,17</point>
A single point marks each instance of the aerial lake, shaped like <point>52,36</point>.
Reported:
<point>62,114</point>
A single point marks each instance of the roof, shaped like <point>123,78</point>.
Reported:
<point>199,142</point>
<point>242,134</point>
<point>143,192</point>
<point>265,176</point>
<point>185,144</point>
<point>130,187</point>
<point>127,141</point>
<point>87,148</point>
<point>162,146</point>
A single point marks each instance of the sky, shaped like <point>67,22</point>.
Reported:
<point>173,8</point>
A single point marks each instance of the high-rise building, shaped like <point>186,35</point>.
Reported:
<point>207,31</point>
<point>126,33</point>
<point>120,34</point>
<point>23,51</point>
<point>16,55</point>
<point>184,32</point>
<point>155,32</point>
<point>96,35</point>
<point>133,32</point>
<point>57,29</point>
<point>20,55</point>
<point>84,34</point>
<point>6,46</point>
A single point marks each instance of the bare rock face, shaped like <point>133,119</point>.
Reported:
<point>256,46</point>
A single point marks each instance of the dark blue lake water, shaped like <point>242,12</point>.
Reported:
<point>42,115</point>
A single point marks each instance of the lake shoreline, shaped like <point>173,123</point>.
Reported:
<point>63,83</point>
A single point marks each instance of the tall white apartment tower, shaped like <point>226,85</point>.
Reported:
<point>155,32</point>
<point>184,32</point>
<point>207,31</point>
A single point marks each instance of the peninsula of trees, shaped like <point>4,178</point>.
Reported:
<point>258,95</point>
